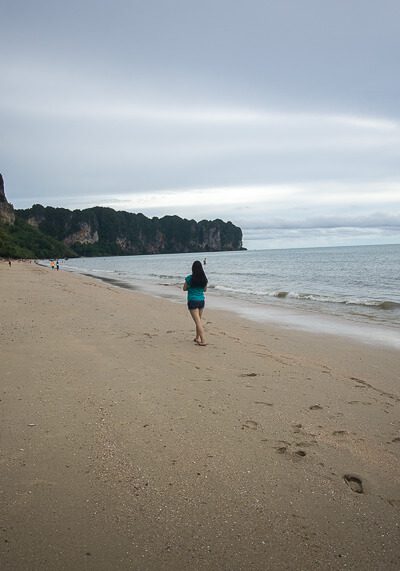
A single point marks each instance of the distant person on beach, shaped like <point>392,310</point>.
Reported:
<point>195,285</point>
<point>57,265</point>
<point>9,263</point>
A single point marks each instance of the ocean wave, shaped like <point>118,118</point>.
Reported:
<point>376,304</point>
<point>235,290</point>
<point>389,305</point>
<point>225,288</point>
<point>313,297</point>
<point>280,294</point>
<point>283,294</point>
<point>164,276</point>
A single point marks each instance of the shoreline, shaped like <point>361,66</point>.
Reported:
<point>294,318</point>
<point>271,280</point>
<point>127,446</point>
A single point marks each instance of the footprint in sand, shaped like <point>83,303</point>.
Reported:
<point>264,403</point>
<point>281,449</point>
<point>305,444</point>
<point>339,432</point>
<point>315,407</point>
<point>397,439</point>
<point>296,455</point>
<point>354,483</point>
<point>249,375</point>
<point>394,503</point>
<point>251,424</point>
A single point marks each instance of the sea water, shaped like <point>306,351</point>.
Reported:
<point>350,290</point>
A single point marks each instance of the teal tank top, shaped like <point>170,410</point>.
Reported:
<point>194,293</point>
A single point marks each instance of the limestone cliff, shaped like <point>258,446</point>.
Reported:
<point>7,214</point>
<point>103,231</point>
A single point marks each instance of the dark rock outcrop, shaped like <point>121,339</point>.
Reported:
<point>7,214</point>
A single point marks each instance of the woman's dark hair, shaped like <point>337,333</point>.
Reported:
<point>199,278</point>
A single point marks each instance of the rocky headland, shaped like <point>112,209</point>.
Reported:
<point>58,232</point>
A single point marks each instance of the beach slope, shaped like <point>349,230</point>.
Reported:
<point>126,446</point>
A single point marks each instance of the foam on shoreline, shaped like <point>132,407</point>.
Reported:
<point>290,318</point>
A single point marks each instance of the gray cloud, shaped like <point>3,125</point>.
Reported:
<point>260,51</point>
<point>375,220</point>
<point>181,107</point>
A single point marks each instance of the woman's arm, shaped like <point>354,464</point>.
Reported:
<point>185,286</point>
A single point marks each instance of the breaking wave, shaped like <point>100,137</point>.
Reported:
<point>313,297</point>
<point>375,303</point>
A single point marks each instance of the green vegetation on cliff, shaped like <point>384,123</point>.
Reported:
<point>105,232</point>
<point>47,232</point>
<point>20,240</point>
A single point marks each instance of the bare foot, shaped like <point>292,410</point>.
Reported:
<point>201,344</point>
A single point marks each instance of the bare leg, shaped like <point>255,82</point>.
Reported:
<point>196,316</point>
<point>200,315</point>
<point>197,339</point>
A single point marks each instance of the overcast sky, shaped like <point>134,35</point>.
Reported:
<point>282,116</point>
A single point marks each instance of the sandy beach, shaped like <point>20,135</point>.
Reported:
<point>126,446</point>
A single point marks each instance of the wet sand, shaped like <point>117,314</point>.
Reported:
<point>126,446</point>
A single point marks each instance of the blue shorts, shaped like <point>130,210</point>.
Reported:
<point>194,304</point>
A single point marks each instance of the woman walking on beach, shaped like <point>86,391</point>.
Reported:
<point>195,285</point>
